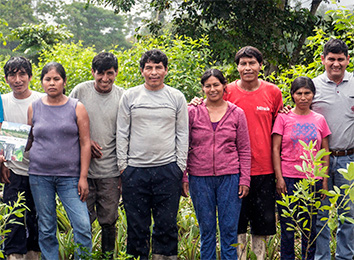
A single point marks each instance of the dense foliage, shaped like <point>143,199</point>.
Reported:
<point>188,58</point>
<point>44,22</point>
<point>13,14</point>
<point>34,39</point>
<point>87,25</point>
<point>187,62</point>
<point>277,27</point>
<point>6,216</point>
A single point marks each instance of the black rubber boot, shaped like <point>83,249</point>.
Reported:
<point>108,240</point>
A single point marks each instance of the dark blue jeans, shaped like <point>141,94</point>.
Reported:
<point>156,191</point>
<point>287,237</point>
<point>211,194</point>
<point>345,231</point>
<point>22,238</point>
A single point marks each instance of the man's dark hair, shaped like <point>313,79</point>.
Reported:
<point>336,46</point>
<point>104,61</point>
<point>155,56</point>
<point>15,64</point>
<point>249,52</point>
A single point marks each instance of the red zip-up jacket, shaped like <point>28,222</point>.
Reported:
<point>224,151</point>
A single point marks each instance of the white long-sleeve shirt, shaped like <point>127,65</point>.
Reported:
<point>152,128</point>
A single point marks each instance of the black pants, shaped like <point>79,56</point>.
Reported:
<point>258,208</point>
<point>156,191</point>
<point>22,238</point>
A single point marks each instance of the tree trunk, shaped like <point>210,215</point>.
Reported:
<point>296,53</point>
<point>314,6</point>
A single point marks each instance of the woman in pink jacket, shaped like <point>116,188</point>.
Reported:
<point>218,166</point>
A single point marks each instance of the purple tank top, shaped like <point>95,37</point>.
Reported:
<point>55,149</point>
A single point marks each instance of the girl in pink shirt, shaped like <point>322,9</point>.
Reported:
<point>301,123</point>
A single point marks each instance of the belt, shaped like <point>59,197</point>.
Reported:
<point>342,152</point>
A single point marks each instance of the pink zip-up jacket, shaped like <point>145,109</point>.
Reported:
<point>224,151</point>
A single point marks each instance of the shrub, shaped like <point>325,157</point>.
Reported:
<point>6,212</point>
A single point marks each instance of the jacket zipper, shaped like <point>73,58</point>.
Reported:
<point>214,153</point>
<point>214,169</point>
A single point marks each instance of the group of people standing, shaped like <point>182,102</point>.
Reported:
<point>232,152</point>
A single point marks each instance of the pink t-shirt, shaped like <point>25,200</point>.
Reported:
<point>292,128</point>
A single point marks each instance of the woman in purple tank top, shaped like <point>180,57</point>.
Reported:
<point>60,155</point>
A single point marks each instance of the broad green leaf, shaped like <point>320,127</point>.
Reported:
<point>337,190</point>
<point>351,194</point>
